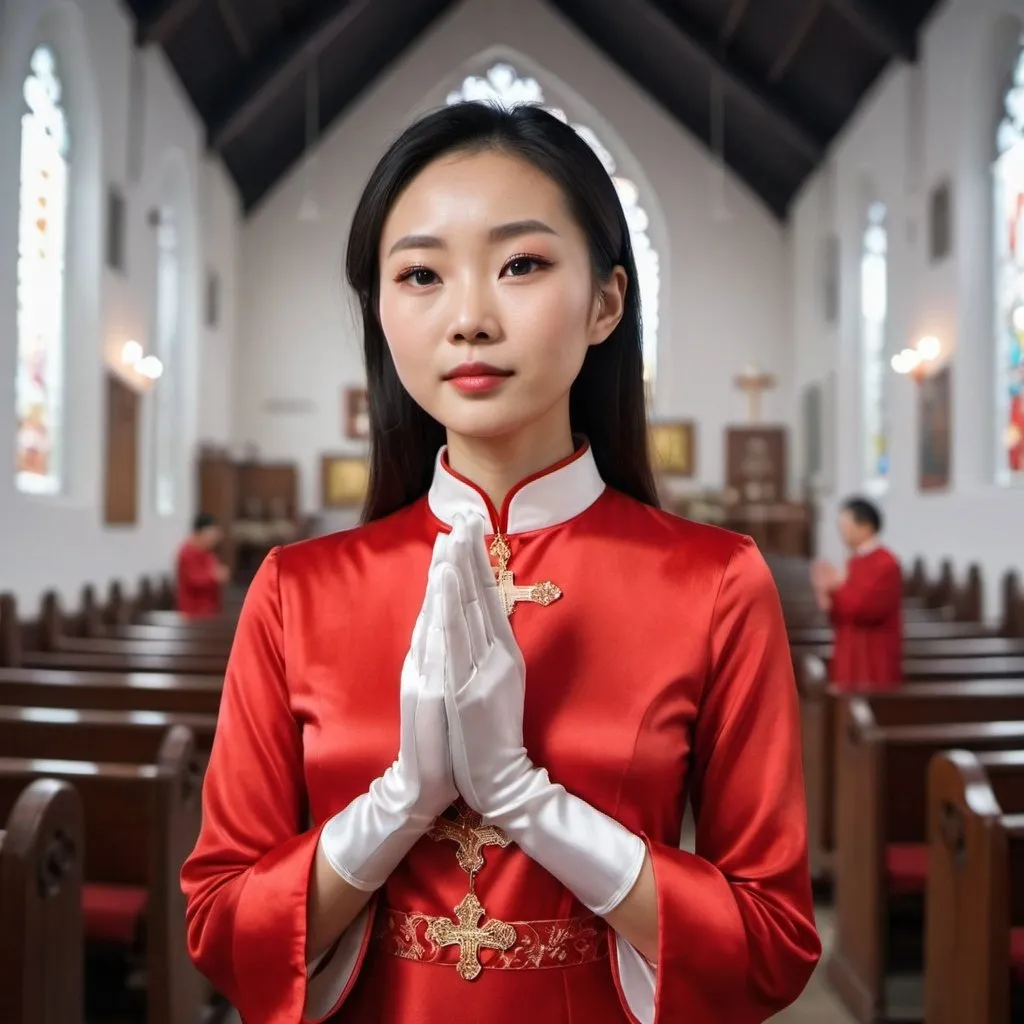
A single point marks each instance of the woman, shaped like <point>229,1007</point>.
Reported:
<point>464,802</point>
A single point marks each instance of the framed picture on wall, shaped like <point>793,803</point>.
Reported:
<point>343,481</point>
<point>356,406</point>
<point>935,434</point>
<point>672,447</point>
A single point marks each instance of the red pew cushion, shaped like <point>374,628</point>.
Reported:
<point>1017,956</point>
<point>113,913</point>
<point>906,867</point>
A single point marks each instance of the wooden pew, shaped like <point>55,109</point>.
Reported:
<point>138,691</point>
<point>945,647</point>
<point>140,822</point>
<point>14,652</point>
<point>881,851</point>
<point>923,629</point>
<point>121,737</point>
<point>41,944</point>
<point>55,636</point>
<point>974,948</point>
<point>818,731</point>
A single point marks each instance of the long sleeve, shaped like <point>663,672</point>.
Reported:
<point>246,882</point>
<point>870,595</point>
<point>737,940</point>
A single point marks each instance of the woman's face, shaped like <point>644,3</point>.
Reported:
<point>487,297</point>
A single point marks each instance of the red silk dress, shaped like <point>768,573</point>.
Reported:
<point>197,586</point>
<point>867,617</point>
<point>662,671</point>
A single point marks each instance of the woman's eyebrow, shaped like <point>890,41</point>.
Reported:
<point>500,233</point>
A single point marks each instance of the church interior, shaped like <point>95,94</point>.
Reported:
<point>825,199</point>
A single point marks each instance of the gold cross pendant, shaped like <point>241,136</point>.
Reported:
<point>470,834</point>
<point>537,593</point>
<point>465,933</point>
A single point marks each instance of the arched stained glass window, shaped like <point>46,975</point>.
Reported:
<point>42,246</point>
<point>1008,187</point>
<point>502,85</point>
<point>874,318</point>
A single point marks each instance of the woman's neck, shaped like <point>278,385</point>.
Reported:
<point>497,464</point>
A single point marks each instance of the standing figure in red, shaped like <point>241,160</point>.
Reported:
<point>864,603</point>
<point>455,743</point>
<point>200,574</point>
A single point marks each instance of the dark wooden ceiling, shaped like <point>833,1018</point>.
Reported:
<point>784,76</point>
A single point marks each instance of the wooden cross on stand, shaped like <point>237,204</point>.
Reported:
<point>538,593</point>
<point>470,835</point>
<point>466,933</point>
<point>753,381</point>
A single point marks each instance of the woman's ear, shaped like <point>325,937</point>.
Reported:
<point>609,305</point>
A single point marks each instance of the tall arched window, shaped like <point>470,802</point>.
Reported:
<point>42,245</point>
<point>503,86</point>
<point>168,351</point>
<point>874,316</point>
<point>1008,184</point>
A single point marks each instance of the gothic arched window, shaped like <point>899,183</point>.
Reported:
<point>874,317</point>
<point>168,351</point>
<point>502,86</point>
<point>1008,184</point>
<point>42,247</point>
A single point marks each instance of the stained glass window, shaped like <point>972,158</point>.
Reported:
<point>874,313</point>
<point>502,85</point>
<point>168,351</point>
<point>1008,187</point>
<point>42,231</point>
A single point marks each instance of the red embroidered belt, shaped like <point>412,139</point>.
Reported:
<point>460,942</point>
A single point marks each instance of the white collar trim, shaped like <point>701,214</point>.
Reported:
<point>542,501</point>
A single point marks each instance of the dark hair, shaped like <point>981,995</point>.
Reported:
<point>202,522</point>
<point>864,512</point>
<point>606,401</point>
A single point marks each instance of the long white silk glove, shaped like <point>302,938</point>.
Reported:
<point>590,853</point>
<point>366,841</point>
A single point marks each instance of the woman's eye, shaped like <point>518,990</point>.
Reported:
<point>521,266</point>
<point>419,276</point>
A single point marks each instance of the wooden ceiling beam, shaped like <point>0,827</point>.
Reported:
<point>796,41</point>
<point>731,25</point>
<point>686,37</point>
<point>160,26</point>
<point>878,27</point>
<point>277,69</point>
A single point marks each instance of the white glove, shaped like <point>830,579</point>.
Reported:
<point>366,841</point>
<point>590,853</point>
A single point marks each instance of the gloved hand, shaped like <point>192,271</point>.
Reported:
<point>367,840</point>
<point>590,853</point>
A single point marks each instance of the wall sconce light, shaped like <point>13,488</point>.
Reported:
<point>147,366</point>
<point>914,361</point>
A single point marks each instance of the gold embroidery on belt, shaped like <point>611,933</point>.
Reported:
<point>536,945</point>
<point>537,593</point>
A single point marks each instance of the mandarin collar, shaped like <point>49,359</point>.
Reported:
<point>548,498</point>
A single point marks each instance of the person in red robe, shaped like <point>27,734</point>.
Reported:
<point>864,604</point>
<point>455,743</point>
<point>200,575</point>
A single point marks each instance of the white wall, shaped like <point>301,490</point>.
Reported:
<point>954,98</point>
<point>61,542</point>
<point>724,286</point>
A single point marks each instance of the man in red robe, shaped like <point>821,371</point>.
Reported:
<point>864,604</point>
<point>200,574</point>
